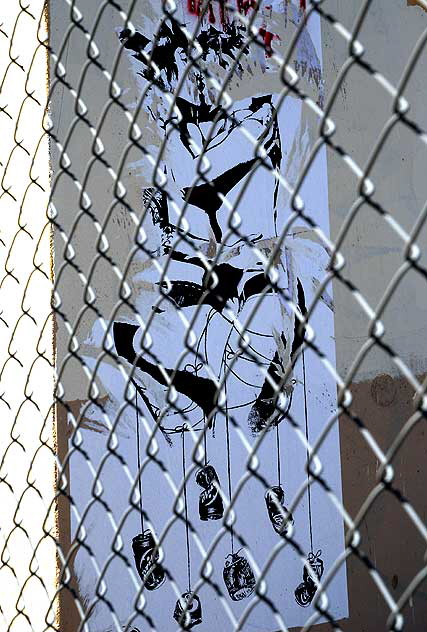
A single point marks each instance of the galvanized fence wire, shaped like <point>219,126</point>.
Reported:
<point>22,230</point>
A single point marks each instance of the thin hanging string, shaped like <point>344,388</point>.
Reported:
<point>308,455</point>
<point>227,429</point>
<point>278,453</point>
<point>138,456</point>
<point>205,440</point>
<point>187,534</point>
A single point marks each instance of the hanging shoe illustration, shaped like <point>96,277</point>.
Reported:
<point>274,499</point>
<point>316,564</point>
<point>148,569</point>
<point>211,506</point>
<point>305,592</point>
<point>188,611</point>
<point>238,577</point>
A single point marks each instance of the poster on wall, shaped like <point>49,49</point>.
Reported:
<point>206,392</point>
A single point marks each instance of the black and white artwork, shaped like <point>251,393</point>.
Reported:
<point>213,395</point>
<point>188,611</point>
<point>306,590</point>
<point>211,506</point>
<point>281,519</point>
<point>146,560</point>
<point>238,577</point>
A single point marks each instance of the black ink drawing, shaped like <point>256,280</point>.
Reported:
<point>143,545</point>
<point>238,577</point>
<point>171,41</point>
<point>237,574</point>
<point>305,592</point>
<point>157,202</point>
<point>264,412</point>
<point>279,516</point>
<point>211,506</point>
<point>146,561</point>
<point>208,197</point>
<point>188,611</point>
<point>216,297</point>
<point>229,277</point>
<point>225,288</point>
<point>200,390</point>
<point>188,608</point>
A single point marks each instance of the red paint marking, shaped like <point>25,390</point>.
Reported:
<point>193,6</point>
<point>268,37</point>
<point>223,14</point>
<point>211,14</point>
<point>245,5</point>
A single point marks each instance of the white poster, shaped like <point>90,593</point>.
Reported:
<point>205,376</point>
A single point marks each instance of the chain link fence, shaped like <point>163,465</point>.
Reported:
<point>171,393</point>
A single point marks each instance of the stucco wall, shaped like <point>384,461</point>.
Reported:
<point>382,397</point>
<point>372,249</point>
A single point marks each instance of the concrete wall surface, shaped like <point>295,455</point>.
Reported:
<point>382,396</point>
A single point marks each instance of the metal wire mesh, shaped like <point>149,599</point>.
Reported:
<point>95,237</point>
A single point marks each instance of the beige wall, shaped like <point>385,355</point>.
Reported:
<point>373,254</point>
<point>373,251</point>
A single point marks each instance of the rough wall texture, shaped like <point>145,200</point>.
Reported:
<point>387,535</point>
<point>372,249</point>
<point>382,397</point>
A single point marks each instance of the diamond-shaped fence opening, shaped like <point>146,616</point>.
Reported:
<point>212,306</point>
